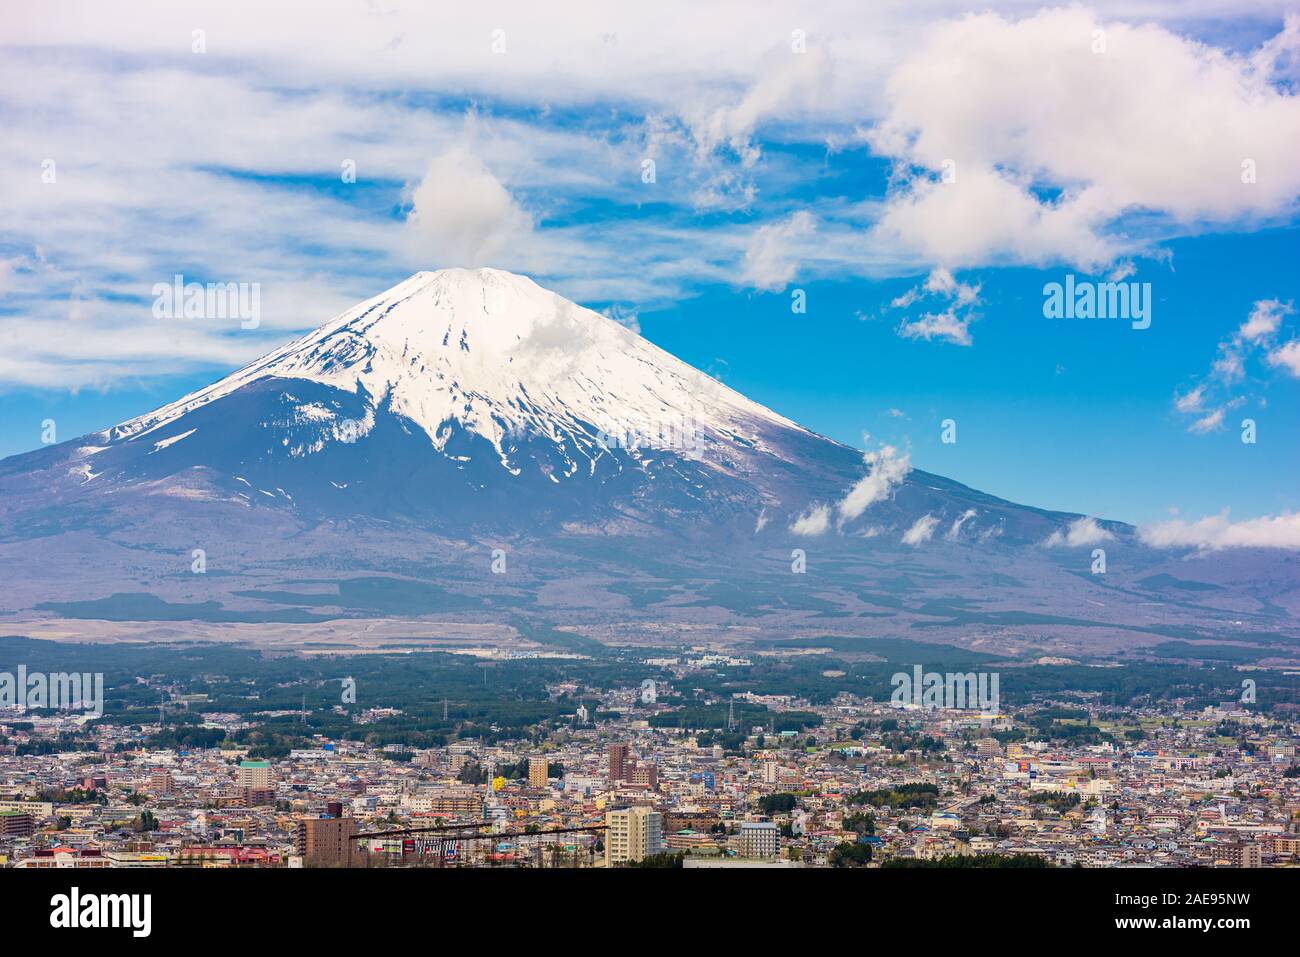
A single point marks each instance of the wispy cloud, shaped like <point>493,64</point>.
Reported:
<point>886,470</point>
<point>1218,531</point>
<point>946,325</point>
<point>950,324</point>
<point>921,531</point>
<point>771,258</point>
<point>1254,340</point>
<point>955,529</point>
<point>815,521</point>
<point>1081,532</point>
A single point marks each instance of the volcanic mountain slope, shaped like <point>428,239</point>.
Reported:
<point>466,399</point>
<point>465,410</point>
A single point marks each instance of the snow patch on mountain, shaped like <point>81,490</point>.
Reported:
<point>164,443</point>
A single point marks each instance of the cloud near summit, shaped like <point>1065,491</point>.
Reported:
<point>462,215</point>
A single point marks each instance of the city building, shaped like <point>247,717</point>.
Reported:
<point>537,772</point>
<point>643,776</point>
<point>618,761</point>
<point>1239,855</point>
<point>632,834</point>
<point>326,841</point>
<point>160,782</point>
<point>759,839</point>
<point>16,824</point>
<point>255,775</point>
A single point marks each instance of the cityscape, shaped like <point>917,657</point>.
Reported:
<point>1060,783</point>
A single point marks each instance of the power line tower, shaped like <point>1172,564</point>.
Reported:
<point>731,715</point>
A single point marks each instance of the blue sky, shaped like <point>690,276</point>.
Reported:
<point>920,176</point>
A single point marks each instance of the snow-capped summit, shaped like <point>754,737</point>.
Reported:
<point>493,354</point>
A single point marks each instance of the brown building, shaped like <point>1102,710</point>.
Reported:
<point>619,761</point>
<point>1240,855</point>
<point>257,797</point>
<point>644,776</point>
<point>324,841</point>
<point>16,824</point>
<point>454,802</point>
<point>689,821</point>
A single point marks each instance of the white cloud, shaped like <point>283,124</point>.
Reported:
<point>1153,122</point>
<point>886,471</point>
<point>120,219</point>
<point>988,218</point>
<point>1264,319</point>
<point>951,324</point>
<point>1123,270</point>
<point>1216,532</point>
<point>906,299</point>
<point>1210,399</point>
<point>947,326</point>
<point>922,530</point>
<point>1287,357</point>
<point>1081,532</point>
<point>787,79</point>
<point>1230,367</point>
<point>1190,401</point>
<point>771,257</point>
<point>961,520</point>
<point>1210,422</point>
<point>461,214</point>
<point>813,522</point>
<point>942,282</point>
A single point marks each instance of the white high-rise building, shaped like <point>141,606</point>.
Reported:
<point>759,839</point>
<point>632,834</point>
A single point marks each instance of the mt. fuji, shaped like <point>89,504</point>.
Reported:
<point>478,397</point>
<point>463,411</point>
